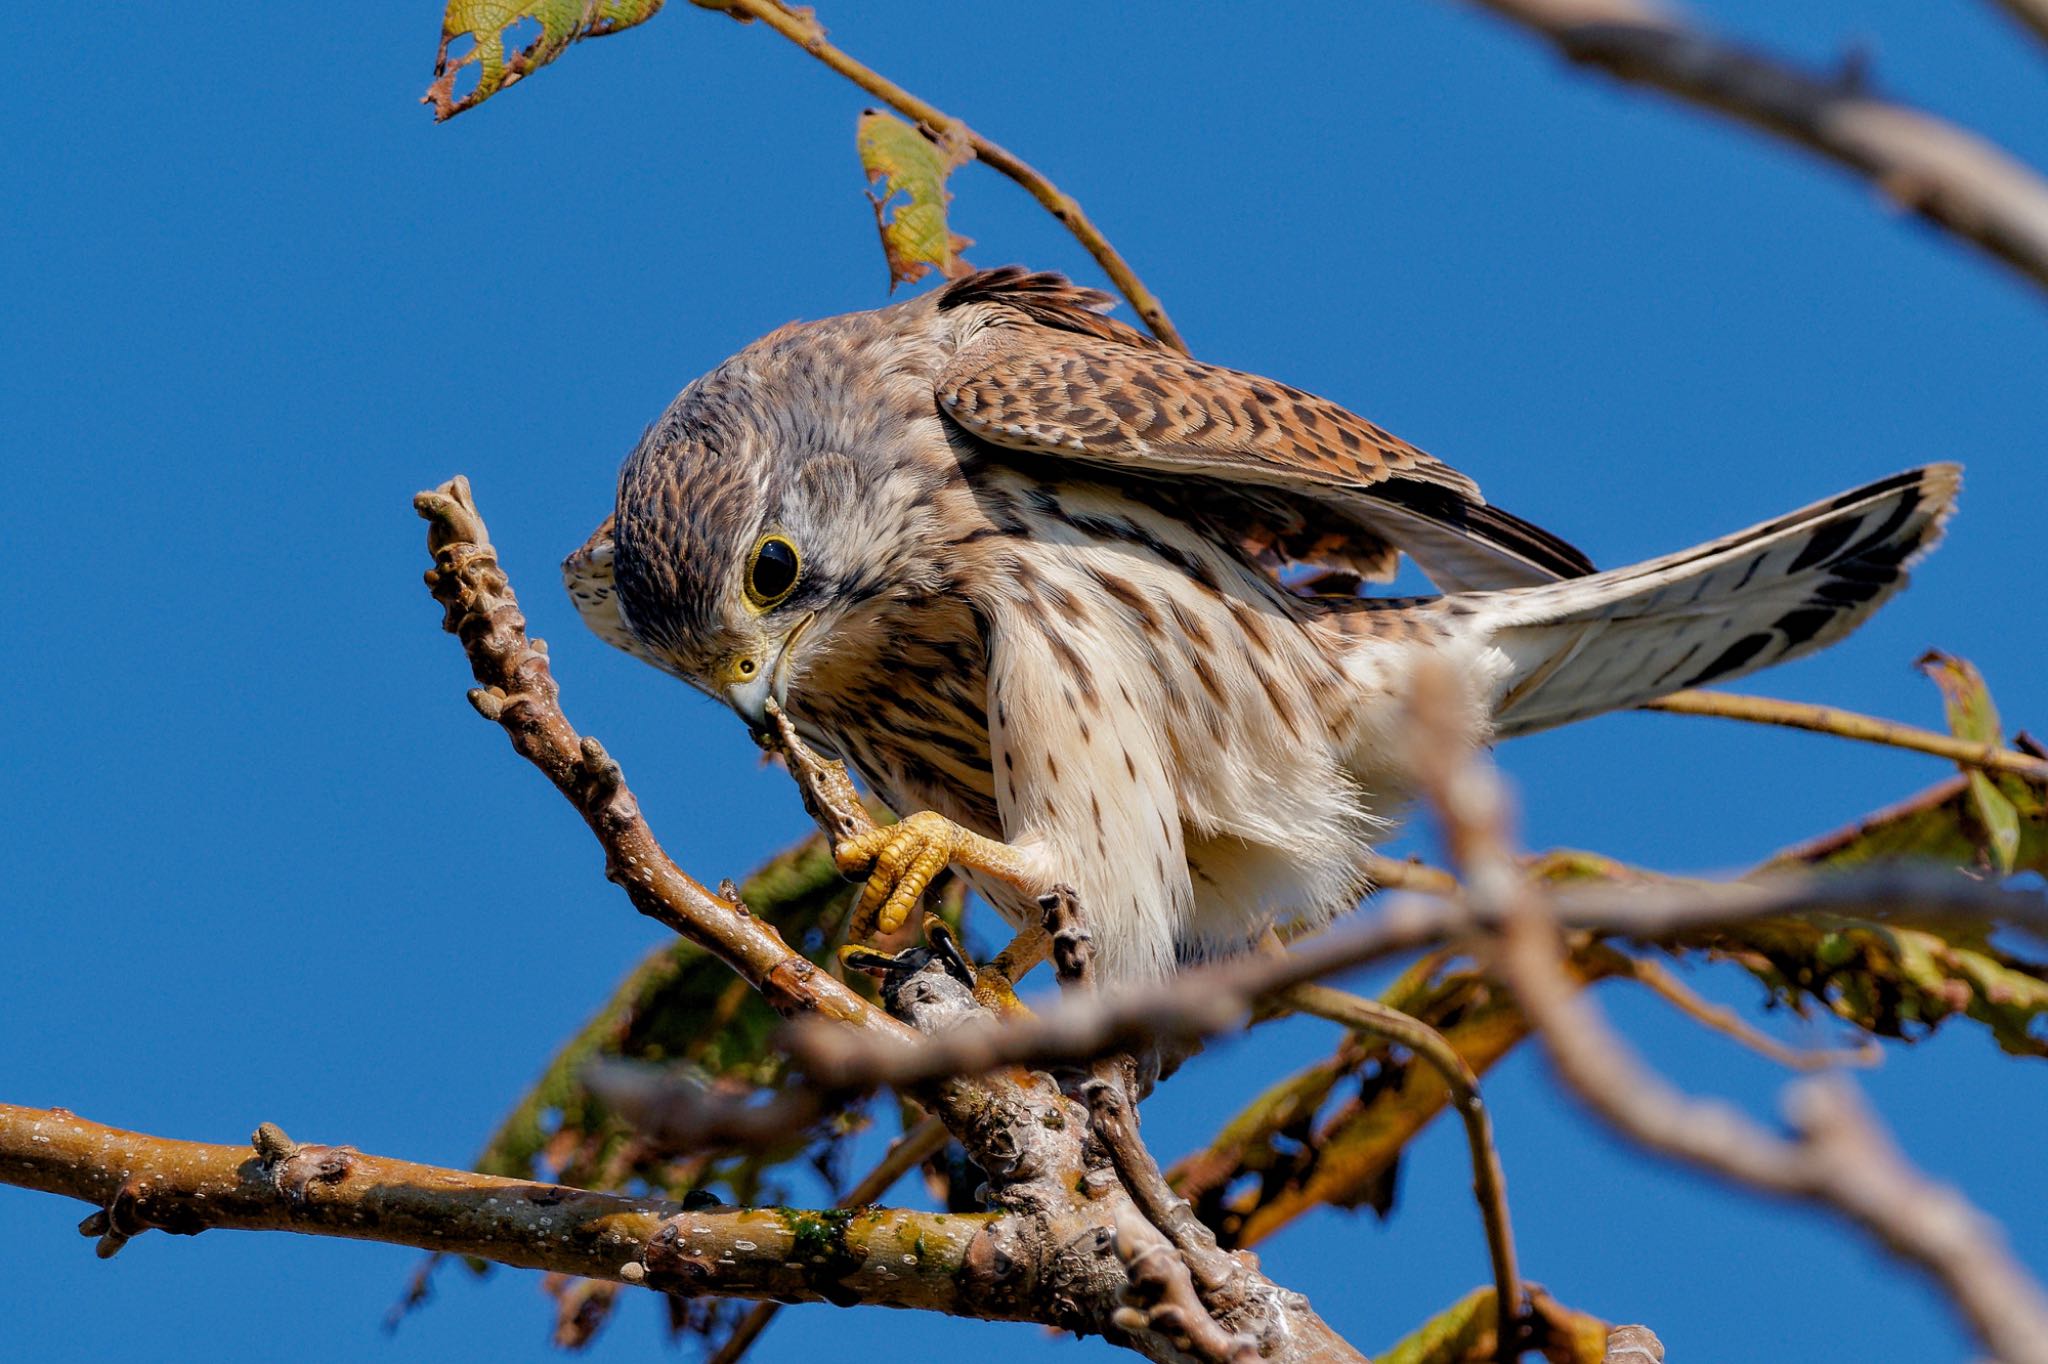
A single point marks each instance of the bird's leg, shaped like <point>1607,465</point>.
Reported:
<point>902,858</point>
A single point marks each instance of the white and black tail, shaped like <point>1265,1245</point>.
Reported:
<point>1776,591</point>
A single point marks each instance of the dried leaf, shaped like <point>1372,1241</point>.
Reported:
<point>1890,979</point>
<point>487,22</point>
<point>902,160</point>
<point>1312,1140</point>
<point>1972,716</point>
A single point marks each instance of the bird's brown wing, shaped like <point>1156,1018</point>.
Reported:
<point>1044,372</point>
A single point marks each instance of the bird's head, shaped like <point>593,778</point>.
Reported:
<point>752,529</point>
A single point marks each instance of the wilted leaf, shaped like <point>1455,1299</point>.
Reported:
<point>487,23</point>
<point>1938,825</point>
<point>1972,716</point>
<point>1334,1132</point>
<point>901,160</point>
<point>1890,979</point>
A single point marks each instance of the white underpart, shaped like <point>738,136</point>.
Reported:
<point>1224,820</point>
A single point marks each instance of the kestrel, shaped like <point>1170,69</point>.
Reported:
<point>1085,609</point>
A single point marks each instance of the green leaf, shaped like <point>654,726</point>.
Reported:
<point>486,23</point>
<point>901,160</point>
<point>1972,716</point>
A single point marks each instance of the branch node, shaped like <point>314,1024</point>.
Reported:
<point>271,1144</point>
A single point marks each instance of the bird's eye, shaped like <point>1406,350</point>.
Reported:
<point>772,572</point>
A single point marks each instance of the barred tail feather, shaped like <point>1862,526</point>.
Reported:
<point>1719,611</point>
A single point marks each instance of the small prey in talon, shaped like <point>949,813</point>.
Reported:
<point>1050,589</point>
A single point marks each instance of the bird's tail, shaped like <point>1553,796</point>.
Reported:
<point>1776,591</point>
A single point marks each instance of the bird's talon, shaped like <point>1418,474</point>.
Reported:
<point>901,860</point>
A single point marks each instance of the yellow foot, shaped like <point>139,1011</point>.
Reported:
<point>902,858</point>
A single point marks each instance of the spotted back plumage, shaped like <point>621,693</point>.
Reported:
<point>1041,371</point>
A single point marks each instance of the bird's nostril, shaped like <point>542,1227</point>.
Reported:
<point>746,667</point>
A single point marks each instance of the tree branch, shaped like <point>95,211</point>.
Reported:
<point>520,694</point>
<point>801,26</point>
<point>139,1182</point>
<point>906,1153</point>
<point>1489,1181</point>
<point>1837,1158</point>
<point>1931,168</point>
<point>1210,1000</point>
<point>1847,724</point>
<point>2031,15</point>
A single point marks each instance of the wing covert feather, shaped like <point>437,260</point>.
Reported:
<point>1040,370</point>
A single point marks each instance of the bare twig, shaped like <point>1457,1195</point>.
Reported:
<point>1847,724</point>
<point>906,1153</point>
<point>1659,980</point>
<point>801,26</point>
<point>1926,166</point>
<point>1215,999</point>
<point>1837,1159</point>
<point>2029,14</point>
<point>519,693</point>
<point>1489,1181</point>
<point>679,1114</point>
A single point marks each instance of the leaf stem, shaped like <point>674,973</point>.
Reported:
<point>802,28</point>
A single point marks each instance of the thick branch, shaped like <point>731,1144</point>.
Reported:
<point>520,693</point>
<point>901,1259</point>
<point>801,27</point>
<point>1931,168</point>
<point>909,1151</point>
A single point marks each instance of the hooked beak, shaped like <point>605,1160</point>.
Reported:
<point>769,682</point>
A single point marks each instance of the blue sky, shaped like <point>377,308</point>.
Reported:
<point>262,863</point>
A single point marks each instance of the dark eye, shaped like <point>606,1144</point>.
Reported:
<point>772,574</point>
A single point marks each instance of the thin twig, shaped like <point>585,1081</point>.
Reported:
<point>801,27</point>
<point>1210,1000</point>
<point>1847,724</point>
<point>2029,14</point>
<point>1952,178</point>
<point>1659,980</point>
<point>906,1153</point>
<point>1489,1181</point>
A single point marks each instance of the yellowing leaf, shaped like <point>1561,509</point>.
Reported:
<point>486,23</point>
<point>1971,716</point>
<point>901,160</point>
<point>1464,1333</point>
